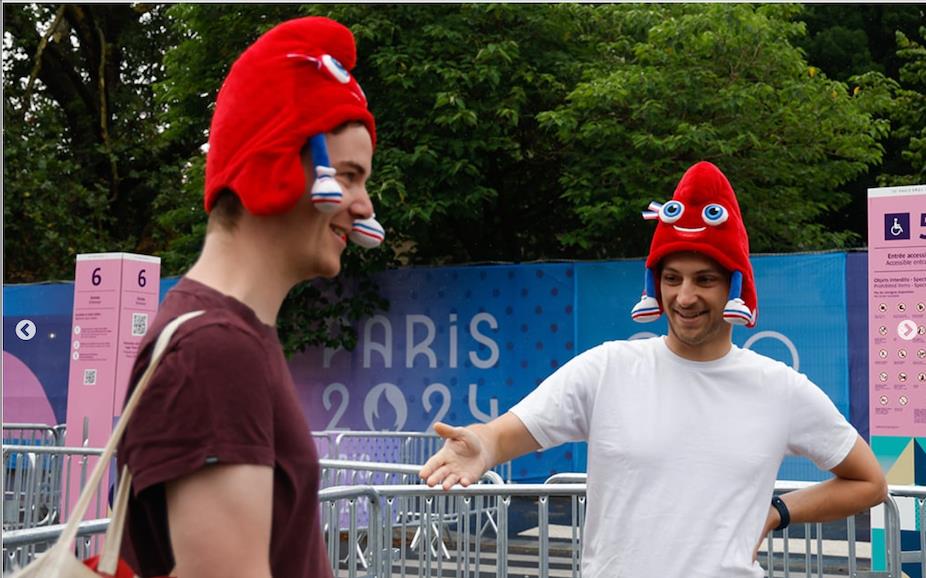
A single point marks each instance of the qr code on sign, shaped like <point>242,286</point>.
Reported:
<point>89,377</point>
<point>139,324</point>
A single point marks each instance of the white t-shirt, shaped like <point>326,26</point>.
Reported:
<point>682,455</point>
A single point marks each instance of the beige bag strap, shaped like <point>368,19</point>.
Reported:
<point>117,521</point>
<point>109,557</point>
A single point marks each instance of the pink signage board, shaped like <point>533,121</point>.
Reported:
<point>897,310</point>
<point>115,298</point>
<point>897,346</point>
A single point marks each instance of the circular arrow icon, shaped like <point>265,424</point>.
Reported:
<point>907,329</point>
<point>25,329</point>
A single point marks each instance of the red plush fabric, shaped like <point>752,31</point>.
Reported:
<point>122,569</point>
<point>727,243</point>
<point>275,97</point>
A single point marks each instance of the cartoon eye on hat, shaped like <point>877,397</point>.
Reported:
<point>335,69</point>
<point>714,214</point>
<point>327,63</point>
<point>671,212</point>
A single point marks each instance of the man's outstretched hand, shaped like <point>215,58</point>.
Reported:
<point>464,458</point>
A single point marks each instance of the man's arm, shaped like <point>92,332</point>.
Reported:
<point>469,452</point>
<point>220,520</point>
<point>859,484</point>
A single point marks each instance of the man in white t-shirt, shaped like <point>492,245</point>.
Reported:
<point>686,432</point>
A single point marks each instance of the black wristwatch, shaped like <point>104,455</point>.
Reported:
<point>783,512</point>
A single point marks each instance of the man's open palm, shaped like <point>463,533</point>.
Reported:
<point>463,458</point>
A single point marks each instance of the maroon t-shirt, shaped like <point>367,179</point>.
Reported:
<point>222,394</point>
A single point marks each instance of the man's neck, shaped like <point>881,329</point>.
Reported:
<point>242,269</point>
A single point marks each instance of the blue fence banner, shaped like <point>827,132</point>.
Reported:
<point>464,344</point>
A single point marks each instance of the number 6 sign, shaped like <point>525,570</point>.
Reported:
<point>115,297</point>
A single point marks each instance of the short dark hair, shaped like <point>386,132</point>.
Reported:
<point>226,210</point>
<point>306,150</point>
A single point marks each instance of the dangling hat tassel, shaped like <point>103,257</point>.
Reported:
<point>326,194</point>
<point>367,233</point>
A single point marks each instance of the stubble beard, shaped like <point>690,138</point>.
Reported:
<point>699,337</point>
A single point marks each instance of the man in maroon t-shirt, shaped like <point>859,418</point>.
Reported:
<point>225,475</point>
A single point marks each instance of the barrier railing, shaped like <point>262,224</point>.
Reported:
<point>32,434</point>
<point>37,484</point>
<point>825,549</point>
<point>469,553</point>
<point>336,473</point>
<point>396,557</point>
<point>325,444</point>
<point>21,546</point>
<point>910,507</point>
<point>405,527</point>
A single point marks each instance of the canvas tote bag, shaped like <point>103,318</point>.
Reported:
<point>59,561</point>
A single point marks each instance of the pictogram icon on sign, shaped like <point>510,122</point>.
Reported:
<point>883,400</point>
<point>896,226</point>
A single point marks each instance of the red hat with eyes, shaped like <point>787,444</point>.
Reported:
<point>292,84</point>
<point>703,216</point>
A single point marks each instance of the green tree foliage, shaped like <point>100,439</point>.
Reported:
<point>723,83</point>
<point>858,44</point>
<point>461,162</point>
<point>846,41</point>
<point>908,114</point>
<point>83,157</point>
<point>506,132</point>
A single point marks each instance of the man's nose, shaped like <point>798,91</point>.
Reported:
<point>361,206</point>
<point>687,293</point>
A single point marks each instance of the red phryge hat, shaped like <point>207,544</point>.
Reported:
<point>291,85</point>
<point>703,216</point>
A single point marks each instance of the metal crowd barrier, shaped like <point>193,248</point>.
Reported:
<point>470,554</point>
<point>21,546</point>
<point>406,528</point>
<point>336,473</point>
<point>816,549</point>
<point>33,434</point>
<point>469,551</point>
<point>325,444</point>
<point>912,526</point>
<point>39,483</point>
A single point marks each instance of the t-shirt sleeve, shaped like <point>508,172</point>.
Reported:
<point>209,402</point>
<point>817,430</point>
<point>560,409</point>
